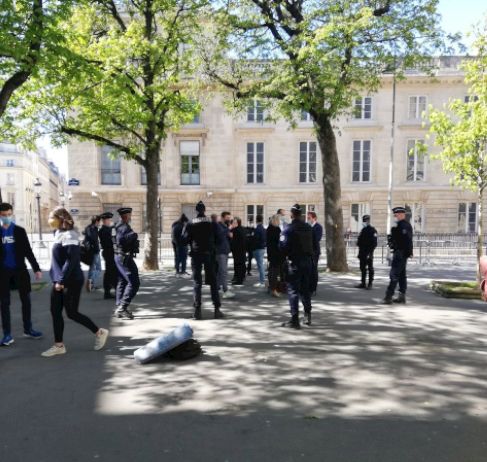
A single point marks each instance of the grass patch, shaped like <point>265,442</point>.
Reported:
<point>457,289</point>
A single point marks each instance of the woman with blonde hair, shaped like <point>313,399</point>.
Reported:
<point>67,278</point>
<point>274,255</point>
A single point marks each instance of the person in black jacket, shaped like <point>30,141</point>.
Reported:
<point>14,249</point>
<point>275,257</point>
<point>238,246</point>
<point>296,242</point>
<point>259,249</point>
<point>110,277</point>
<point>67,279</point>
<point>366,243</point>
<point>401,243</point>
<point>317,236</point>
<point>200,234</point>
<point>91,236</point>
<point>179,247</point>
<point>250,246</point>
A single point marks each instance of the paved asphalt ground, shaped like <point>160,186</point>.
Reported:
<point>364,383</point>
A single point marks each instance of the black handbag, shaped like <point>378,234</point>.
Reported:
<point>86,252</point>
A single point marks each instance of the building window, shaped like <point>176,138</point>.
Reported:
<point>10,163</point>
<point>307,208</point>
<point>415,216</point>
<point>467,217</point>
<point>415,171</point>
<point>305,116</point>
<point>190,162</point>
<point>111,171</point>
<point>196,119</point>
<point>307,162</point>
<point>417,105</point>
<point>143,175</point>
<point>361,161</point>
<point>10,178</point>
<point>252,212</point>
<point>471,99</point>
<point>255,163</point>
<point>11,199</point>
<point>357,211</point>
<point>255,111</point>
<point>362,108</point>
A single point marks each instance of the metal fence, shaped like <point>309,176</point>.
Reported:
<point>428,248</point>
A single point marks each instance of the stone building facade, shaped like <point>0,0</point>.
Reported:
<point>247,165</point>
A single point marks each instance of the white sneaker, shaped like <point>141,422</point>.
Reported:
<point>228,294</point>
<point>259,284</point>
<point>53,351</point>
<point>101,339</point>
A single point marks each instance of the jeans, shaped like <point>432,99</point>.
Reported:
<point>222,273</point>
<point>95,268</point>
<point>128,280</point>
<point>259,258</point>
<point>69,300</point>
<point>22,279</point>
<point>180,257</point>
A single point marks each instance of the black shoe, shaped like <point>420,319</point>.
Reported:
<point>401,298</point>
<point>108,296</point>
<point>293,323</point>
<point>386,301</point>
<point>360,286</point>
<point>370,287</point>
<point>218,314</point>
<point>197,314</point>
<point>307,318</point>
<point>124,314</point>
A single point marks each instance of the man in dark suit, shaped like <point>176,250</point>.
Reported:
<point>14,249</point>
<point>317,236</point>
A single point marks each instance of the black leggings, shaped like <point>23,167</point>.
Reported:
<point>68,299</point>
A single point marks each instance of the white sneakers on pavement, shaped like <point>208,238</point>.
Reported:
<point>53,351</point>
<point>101,339</point>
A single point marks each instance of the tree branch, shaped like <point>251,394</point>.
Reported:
<point>112,9</point>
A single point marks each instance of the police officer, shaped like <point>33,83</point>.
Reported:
<point>200,234</point>
<point>401,243</point>
<point>296,243</point>
<point>126,246</point>
<point>366,242</point>
<point>110,277</point>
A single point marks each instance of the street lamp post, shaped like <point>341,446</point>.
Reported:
<point>37,189</point>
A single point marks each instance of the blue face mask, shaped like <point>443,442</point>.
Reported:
<point>6,221</point>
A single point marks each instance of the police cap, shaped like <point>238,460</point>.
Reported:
<point>200,207</point>
<point>366,218</point>
<point>124,210</point>
<point>106,215</point>
<point>398,210</point>
<point>296,209</point>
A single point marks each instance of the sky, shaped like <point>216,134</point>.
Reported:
<point>457,16</point>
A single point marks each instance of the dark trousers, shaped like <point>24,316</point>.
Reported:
<point>238,268</point>
<point>313,280</point>
<point>128,280</point>
<point>250,254</point>
<point>69,300</point>
<point>397,274</point>
<point>367,263</point>
<point>21,279</point>
<point>298,284</point>
<point>198,262</point>
<point>180,257</point>
<point>110,278</point>
<point>277,275</point>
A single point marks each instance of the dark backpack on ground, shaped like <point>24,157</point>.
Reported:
<point>187,350</point>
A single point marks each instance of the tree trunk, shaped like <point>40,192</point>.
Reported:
<point>480,232</point>
<point>151,260</point>
<point>336,253</point>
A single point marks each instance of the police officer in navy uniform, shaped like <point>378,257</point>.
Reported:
<point>201,235</point>
<point>296,243</point>
<point>110,278</point>
<point>401,243</point>
<point>366,243</point>
<point>126,246</point>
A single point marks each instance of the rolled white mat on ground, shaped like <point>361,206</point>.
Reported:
<point>163,344</point>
